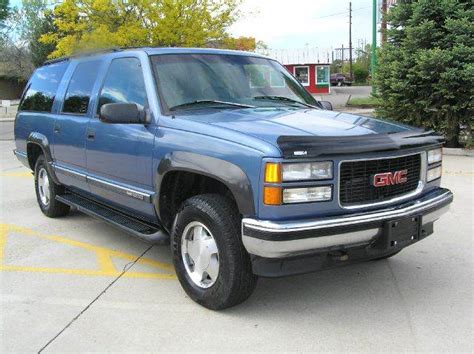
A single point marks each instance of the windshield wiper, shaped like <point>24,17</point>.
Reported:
<point>282,98</point>
<point>201,102</point>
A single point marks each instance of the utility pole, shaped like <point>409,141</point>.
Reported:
<point>350,40</point>
<point>373,61</point>
<point>384,22</point>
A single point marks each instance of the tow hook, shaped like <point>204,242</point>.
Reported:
<point>339,256</point>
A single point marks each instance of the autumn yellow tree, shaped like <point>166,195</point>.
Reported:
<point>92,24</point>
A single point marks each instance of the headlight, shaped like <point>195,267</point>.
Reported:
<point>307,171</point>
<point>435,155</point>
<point>305,195</point>
<point>434,173</point>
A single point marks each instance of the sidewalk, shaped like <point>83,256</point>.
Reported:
<point>7,114</point>
<point>357,111</point>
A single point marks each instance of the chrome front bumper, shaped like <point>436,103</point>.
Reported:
<point>273,239</point>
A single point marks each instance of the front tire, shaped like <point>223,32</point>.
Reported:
<point>47,190</point>
<point>211,263</point>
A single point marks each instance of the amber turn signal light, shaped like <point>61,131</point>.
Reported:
<point>272,172</point>
<point>272,195</point>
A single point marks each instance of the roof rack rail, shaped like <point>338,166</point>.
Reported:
<point>85,54</point>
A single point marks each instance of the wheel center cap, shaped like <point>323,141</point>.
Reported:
<point>204,256</point>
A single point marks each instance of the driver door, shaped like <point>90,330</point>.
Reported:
<point>119,156</point>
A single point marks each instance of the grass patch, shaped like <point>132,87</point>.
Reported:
<point>364,102</point>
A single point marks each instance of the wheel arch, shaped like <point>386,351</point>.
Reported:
<point>227,174</point>
<point>38,144</point>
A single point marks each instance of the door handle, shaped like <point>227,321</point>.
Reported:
<point>57,129</point>
<point>90,135</point>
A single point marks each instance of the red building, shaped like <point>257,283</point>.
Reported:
<point>314,77</point>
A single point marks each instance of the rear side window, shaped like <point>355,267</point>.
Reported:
<point>40,93</point>
<point>124,83</point>
<point>80,87</point>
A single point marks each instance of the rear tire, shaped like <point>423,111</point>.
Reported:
<point>230,281</point>
<point>47,190</point>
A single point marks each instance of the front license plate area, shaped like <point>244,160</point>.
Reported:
<point>402,232</point>
<point>399,233</point>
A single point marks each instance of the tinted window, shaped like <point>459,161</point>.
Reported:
<point>123,83</point>
<point>41,90</point>
<point>80,87</point>
<point>242,79</point>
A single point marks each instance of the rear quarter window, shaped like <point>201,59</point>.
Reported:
<point>80,87</point>
<point>41,90</point>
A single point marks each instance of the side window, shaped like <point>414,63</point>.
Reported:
<point>124,83</point>
<point>79,90</point>
<point>322,75</point>
<point>302,74</point>
<point>39,96</point>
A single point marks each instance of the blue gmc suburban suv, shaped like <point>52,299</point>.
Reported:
<point>227,157</point>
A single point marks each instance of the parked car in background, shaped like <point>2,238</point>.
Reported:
<point>339,79</point>
<point>226,156</point>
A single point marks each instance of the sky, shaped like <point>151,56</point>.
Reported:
<point>288,24</point>
<point>293,24</point>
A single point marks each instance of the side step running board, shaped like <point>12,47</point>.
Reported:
<point>138,228</point>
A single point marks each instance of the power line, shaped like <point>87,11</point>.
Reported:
<point>341,13</point>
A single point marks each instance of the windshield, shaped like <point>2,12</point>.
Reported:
<point>197,81</point>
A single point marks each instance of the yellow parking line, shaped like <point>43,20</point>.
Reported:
<point>104,258</point>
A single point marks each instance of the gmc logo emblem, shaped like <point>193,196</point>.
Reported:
<point>390,178</point>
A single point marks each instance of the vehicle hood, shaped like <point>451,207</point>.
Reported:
<point>271,123</point>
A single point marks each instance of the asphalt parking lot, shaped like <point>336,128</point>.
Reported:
<point>77,284</point>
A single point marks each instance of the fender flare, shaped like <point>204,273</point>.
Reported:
<point>42,141</point>
<point>232,176</point>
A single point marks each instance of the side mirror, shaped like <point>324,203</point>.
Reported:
<point>326,105</point>
<point>122,113</point>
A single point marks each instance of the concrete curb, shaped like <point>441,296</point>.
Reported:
<point>458,152</point>
<point>4,120</point>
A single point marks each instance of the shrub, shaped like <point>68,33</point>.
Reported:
<point>426,70</point>
<point>360,73</point>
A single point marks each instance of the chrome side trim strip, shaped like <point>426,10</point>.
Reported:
<point>129,192</point>
<point>418,190</point>
<point>69,172</point>
<point>417,206</point>
<point>20,154</point>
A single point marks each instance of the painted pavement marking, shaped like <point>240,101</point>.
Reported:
<point>104,258</point>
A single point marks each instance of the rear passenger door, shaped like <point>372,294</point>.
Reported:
<point>71,124</point>
<point>119,156</point>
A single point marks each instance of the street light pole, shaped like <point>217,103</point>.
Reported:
<point>373,61</point>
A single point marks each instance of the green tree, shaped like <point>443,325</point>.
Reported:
<point>336,66</point>
<point>361,72</point>
<point>35,19</point>
<point>3,10</point>
<point>21,50</point>
<point>426,70</point>
<point>91,24</point>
